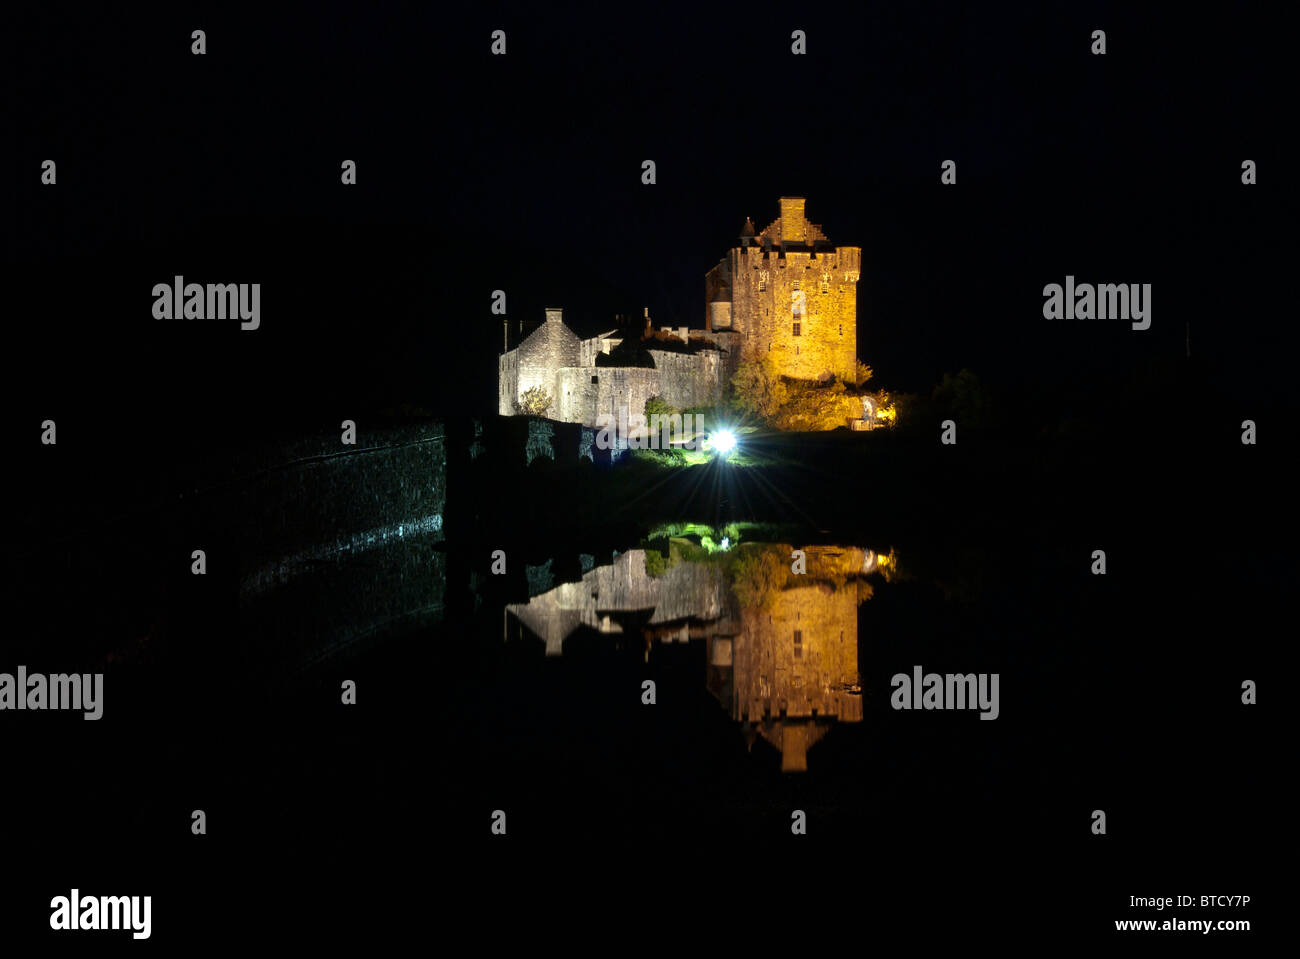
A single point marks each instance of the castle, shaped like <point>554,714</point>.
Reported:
<point>784,293</point>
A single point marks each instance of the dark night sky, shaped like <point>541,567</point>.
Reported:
<point>523,173</point>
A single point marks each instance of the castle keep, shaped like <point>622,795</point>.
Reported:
<point>788,294</point>
<point>785,293</point>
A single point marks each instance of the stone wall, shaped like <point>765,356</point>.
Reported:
<point>507,382</point>
<point>591,348</point>
<point>288,505</point>
<point>690,379</point>
<point>621,386</point>
<point>771,292</point>
<point>577,390</point>
<point>730,344</point>
<point>587,392</point>
<point>582,393</point>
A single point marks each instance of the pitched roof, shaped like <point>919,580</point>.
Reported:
<point>814,232</point>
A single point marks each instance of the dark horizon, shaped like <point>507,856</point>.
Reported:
<point>378,294</point>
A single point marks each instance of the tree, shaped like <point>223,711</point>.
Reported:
<point>964,397</point>
<point>655,405</point>
<point>759,390</point>
<point>885,406</point>
<point>535,401</point>
<point>812,407</point>
<point>861,373</point>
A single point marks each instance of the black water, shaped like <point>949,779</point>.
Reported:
<point>1119,692</point>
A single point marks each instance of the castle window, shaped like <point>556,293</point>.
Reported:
<point>798,644</point>
<point>794,285</point>
<point>841,331</point>
<point>796,329</point>
<point>596,379</point>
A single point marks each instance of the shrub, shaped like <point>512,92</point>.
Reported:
<point>535,401</point>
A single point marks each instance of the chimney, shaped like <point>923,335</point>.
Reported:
<point>554,315</point>
<point>792,220</point>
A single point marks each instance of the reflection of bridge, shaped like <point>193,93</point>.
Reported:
<point>782,660</point>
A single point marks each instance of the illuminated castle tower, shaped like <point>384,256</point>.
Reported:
<point>787,293</point>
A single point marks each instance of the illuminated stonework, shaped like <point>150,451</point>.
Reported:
<point>787,293</point>
<point>784,293</point>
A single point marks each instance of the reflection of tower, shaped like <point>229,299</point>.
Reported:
<point>792,668</point>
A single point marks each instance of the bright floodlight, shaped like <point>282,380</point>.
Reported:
<point>724,441</point>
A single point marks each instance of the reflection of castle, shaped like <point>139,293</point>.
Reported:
<point>781,649</point>
<point>792,667</point>
<point>785,293</point>
<point>686,591</point>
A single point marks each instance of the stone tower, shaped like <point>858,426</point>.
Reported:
<point>788,293</point>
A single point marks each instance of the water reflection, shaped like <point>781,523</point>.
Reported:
<point>780,626</point>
